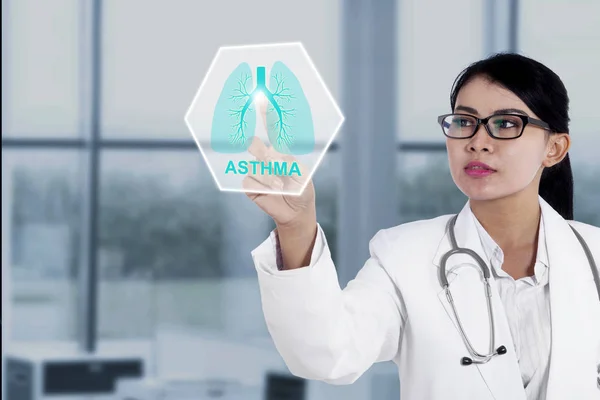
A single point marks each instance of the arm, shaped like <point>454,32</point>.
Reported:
<point>321,331</point>
<point>295,242</point>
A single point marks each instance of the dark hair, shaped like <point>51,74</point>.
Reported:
<point>545,94</point>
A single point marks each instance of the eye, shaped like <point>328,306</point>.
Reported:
<point>507,122</point>
<point>462,122</point>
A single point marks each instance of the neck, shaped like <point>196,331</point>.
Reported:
<point>513,222</point>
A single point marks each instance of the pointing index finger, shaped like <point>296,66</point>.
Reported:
<point>258,149</point>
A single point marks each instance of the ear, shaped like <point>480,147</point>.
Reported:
<point>557,147</point>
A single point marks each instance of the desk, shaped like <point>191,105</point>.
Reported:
<point>36,371</point>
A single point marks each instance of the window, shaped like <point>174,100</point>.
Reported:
<point>436,41</point>
<point>160,226</point>
<point>45,226</point>
<point>41,198</point>
<point>171,249</point>
<point>163,221</point>
<point>562,40</point>
<point>40,69</point>
<point>151,73</point>
<point>426,176</point>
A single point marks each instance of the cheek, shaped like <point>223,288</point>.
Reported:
<point>520,165</point>
<point>525,159</point>
<point>517,165</point>
<point>456,157</point>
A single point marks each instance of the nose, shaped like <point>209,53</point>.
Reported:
<point>481,141</point>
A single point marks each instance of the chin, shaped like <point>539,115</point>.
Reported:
<point>487,193</point>
<point>480,193</point>
<point>483,197</point>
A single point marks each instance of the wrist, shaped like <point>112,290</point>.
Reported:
<point>302,225</point>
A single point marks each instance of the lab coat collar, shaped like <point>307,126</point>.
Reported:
<point>490,248</point>
<point>572,365</point>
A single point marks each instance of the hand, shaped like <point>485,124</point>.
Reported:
<point>285,209</point>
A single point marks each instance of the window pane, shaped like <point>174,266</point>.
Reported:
<point>586,188</point>
<point>175,252</point>
<point>565,48</point>
<point>42,193</point>
<point>426,186</point>
<point>151,73</point>
<point>326,181</point>
<point>159,221</point>
<point>428,63</point>
<point>41,67</point>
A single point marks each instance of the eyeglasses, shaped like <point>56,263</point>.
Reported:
<point>498,126</point>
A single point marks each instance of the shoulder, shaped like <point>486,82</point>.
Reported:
<point>589,232</point>
<point>410,234</point>
<point>591,237</point>
<point>416,229</point>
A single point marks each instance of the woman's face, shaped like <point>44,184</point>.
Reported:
<point>517,163</point>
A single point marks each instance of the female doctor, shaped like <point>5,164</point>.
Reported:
<point>515,316</point>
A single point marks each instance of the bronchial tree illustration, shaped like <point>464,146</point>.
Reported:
<point>281,125</point>
<point>240,96</point>
<point>288,116</point>
<point>244,99</point>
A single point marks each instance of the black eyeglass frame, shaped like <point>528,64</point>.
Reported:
<point>483,121</point>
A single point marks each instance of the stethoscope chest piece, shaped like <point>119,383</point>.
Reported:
<point>478,358</point>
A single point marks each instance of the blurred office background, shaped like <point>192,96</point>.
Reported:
<point>116,240</point>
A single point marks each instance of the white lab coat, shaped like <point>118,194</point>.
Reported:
<point>325,333</point>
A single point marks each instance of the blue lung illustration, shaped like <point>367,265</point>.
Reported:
<point>234,118</point>
<point>289,119</point>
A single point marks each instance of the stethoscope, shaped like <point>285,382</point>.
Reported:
<point>476,357</point>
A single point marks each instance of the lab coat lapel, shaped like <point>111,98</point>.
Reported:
<point>501,374</point>
<point>572,295</point>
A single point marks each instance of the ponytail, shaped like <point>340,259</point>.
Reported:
<point>556,187</point>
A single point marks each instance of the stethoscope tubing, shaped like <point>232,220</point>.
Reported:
<point>481,358</point>
<point>477,357</point>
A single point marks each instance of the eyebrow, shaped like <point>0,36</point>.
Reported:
<point>500,111</point>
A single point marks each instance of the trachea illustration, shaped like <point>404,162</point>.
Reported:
<point>289,119</point>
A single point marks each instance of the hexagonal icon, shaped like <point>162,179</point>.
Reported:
<point>271,95</point>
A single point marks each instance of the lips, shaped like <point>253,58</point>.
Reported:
<point>478,166</point>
